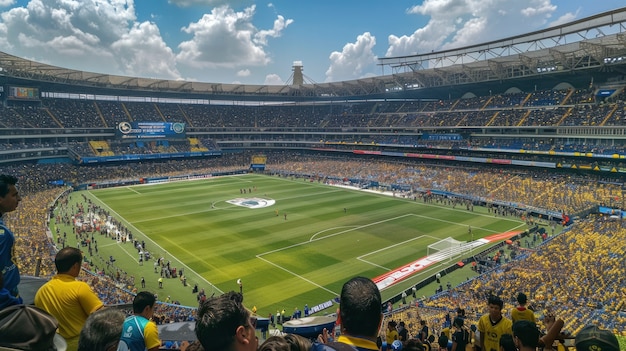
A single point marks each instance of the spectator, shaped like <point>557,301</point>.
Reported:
<point>392,333</point>
<point>225,324</point>
<point>6,298</point>
<point>69,300</point>
<point>443,341</point>
<point>402,332</point>
<point>525,335</point>
<point>461,336</point>
<point>9,199</point>
<point>360,314</point>
<point>493,325</point>
<point>102,330</point>
<point>507,343</point>
<point>521,313</point>
<point>140,333</point>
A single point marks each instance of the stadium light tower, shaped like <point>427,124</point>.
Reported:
<point>298,76</point>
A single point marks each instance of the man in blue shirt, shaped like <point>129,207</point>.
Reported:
<point>9,199</point>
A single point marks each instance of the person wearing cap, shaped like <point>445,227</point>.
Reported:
<point>492,325</point>
<point>521,312</point>
<point>592,338</point>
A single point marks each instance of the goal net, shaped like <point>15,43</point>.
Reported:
<point>446,248</point>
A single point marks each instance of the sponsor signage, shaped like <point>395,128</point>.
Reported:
<point>150,130</point>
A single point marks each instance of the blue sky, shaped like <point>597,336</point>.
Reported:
<point>253,42</point>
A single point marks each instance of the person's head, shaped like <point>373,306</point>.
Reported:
<point>522,299</point>
<point>495,307</point>
<point>68,260</point>
<point>297,342</point>
<point>9,197</point>
<point>458,322</point>
<point>102,330</point>
<point>360,307</point>
<point>143,304</point>
<point>507,343</point>
<point>460,312</point>
<point>274,343</point>
<point>224,324</point>
<point>526,334</point>
<point>391,325</point>
<point>594,338</point>
<point>401,325</point>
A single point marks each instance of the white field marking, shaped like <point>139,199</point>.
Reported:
<point>213,207</point>
<point>154,243</point>
<point>421,203</point>
<point>455,223</point>
<point>259,256</point>
<point>330,229</point>
<point>297,275</point>
<point>133,190</point>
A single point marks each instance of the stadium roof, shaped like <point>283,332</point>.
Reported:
<point>593,43</point>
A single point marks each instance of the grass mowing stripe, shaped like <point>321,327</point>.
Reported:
<point>302,259</point>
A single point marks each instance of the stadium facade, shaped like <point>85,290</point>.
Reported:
<point>549,99</point>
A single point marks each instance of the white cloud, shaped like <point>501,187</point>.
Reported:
<point>279,25</point>
<point>565,18</point>
<point>273,79</point>
<point>5,3</point>
<point>225,38</point>
<point>458,23</point>
<point>356,60</point>
<point>138,49</point>
<point>91,35</point>
<point>189,3</point>
<point>243,73</point>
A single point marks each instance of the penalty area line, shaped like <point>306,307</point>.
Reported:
<point>296,275</point>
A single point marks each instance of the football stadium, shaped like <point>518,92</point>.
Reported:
<point>494,169</point>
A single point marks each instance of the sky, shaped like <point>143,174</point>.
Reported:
<point>257,42</point>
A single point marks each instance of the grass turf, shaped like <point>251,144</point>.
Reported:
<point>329,235</point>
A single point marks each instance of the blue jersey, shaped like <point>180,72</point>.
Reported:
<point>133,334</point>
<point>7,263</point>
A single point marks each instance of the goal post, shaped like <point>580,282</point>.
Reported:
<point>447,248</point>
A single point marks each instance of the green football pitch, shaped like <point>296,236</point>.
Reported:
<point>289,241</point>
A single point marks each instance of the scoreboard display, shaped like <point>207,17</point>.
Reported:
<point>150,130</point>
<point>23,93</point>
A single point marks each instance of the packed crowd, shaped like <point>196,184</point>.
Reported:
<point>548,273</point>
<point>537,108</point>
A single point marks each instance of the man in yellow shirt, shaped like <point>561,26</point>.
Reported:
<point>69,300</point>
<point>521,313</point>
<point>492,325</point>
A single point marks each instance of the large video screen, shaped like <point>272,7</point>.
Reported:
<point>23,93</point>
<point>150,130</point>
